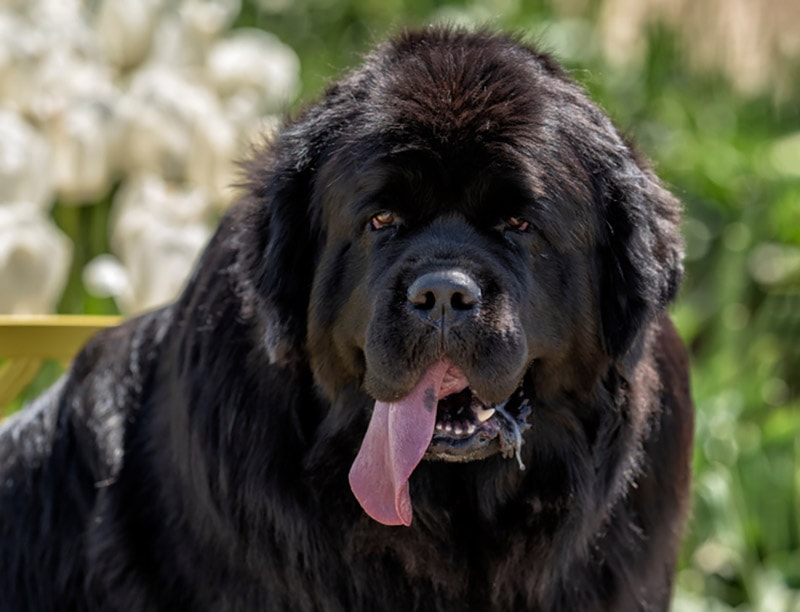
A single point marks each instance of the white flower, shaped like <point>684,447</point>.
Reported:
<point>65,26</point>
<point>209,17</point>
<point>35,257</point>
<point>62,78</point>
<point>183,35</point>
<point>176,44</point>
<point>25,164</point>
<point>73,99</point>
<point>21,51</point>
<point>254,63</point>
<point>105,276</point>
<point>125,29</point>
<point>84,139</point>
<point>211,161</point>
<point>65,11</point>
<point>157,231</point>
<point>175,128</point>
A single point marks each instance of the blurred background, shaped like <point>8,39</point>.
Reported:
<point>119,121</point>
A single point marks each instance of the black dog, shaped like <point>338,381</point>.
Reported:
<point>439,305</point>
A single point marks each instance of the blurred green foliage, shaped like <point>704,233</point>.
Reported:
<point>735,163</point>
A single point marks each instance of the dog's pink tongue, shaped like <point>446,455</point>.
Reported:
<point>397,437</point>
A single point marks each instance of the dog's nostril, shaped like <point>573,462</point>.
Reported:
<point>423,301</point>
<point>445,293</point>
<point>463,301</point>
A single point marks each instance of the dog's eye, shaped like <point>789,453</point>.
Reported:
<point>515,223</point>
<point>384,218</point>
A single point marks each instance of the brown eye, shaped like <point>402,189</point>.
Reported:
<point>383,219</point>
<point>517,224</point>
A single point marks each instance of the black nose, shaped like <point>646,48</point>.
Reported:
<point>447,295</point>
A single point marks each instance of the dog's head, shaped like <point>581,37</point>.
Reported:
<point>458,229</point>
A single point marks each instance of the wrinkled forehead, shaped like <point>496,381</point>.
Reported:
<point>468,131</point>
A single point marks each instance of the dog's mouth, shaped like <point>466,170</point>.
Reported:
<point>439,419</point>
<point>467,429</point>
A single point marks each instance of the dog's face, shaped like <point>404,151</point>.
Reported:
<point>478,237</point>
<point>448,258</point>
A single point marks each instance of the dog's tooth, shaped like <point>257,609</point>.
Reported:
<point>484,414</point>
<point>457,430</point>
<point>448,428</point>
<point>438,427</point>
<point>470,429</point>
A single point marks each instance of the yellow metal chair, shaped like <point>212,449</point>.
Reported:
<point>26,342</point>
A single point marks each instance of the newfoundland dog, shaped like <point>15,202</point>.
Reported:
<point>424,364</point>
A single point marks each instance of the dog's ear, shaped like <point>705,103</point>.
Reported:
<point>276,250</point>
<point>283,232</point>
<point>640,255</point>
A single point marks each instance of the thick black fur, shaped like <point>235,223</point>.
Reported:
<point>196,458</point>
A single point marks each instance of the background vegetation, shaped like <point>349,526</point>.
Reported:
<point>720,116</point>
